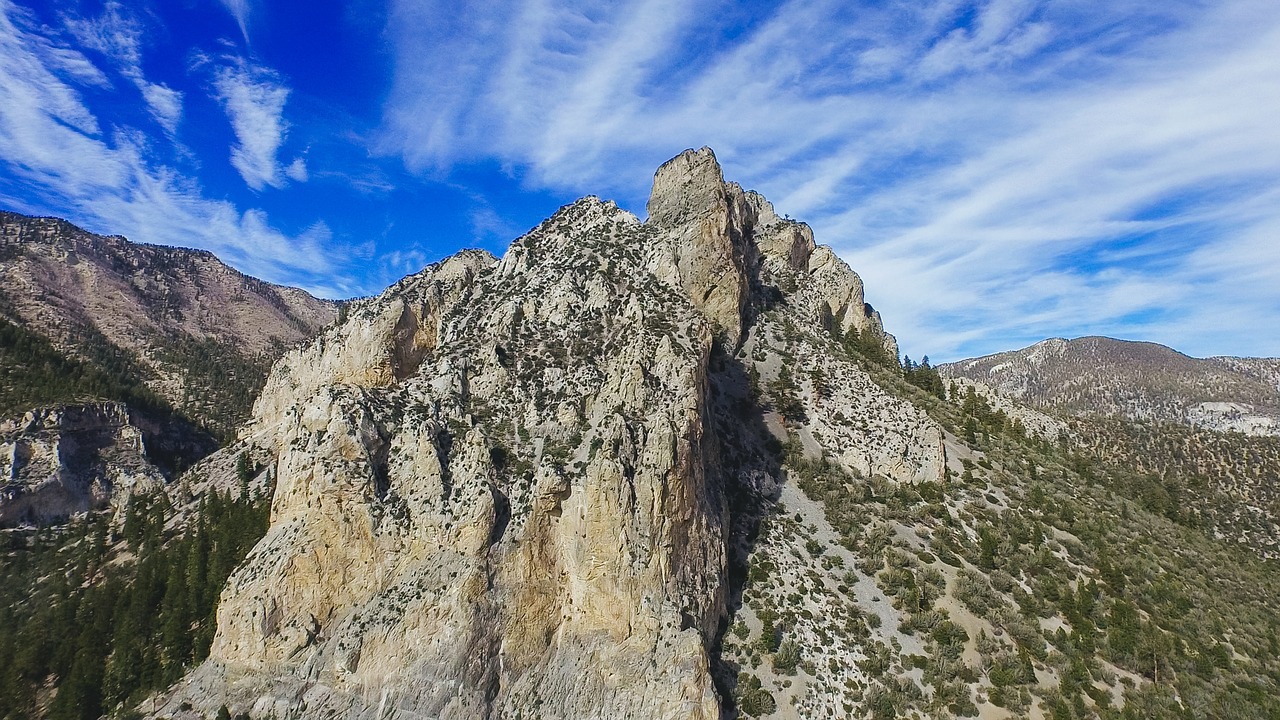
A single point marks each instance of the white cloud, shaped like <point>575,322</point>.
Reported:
<point>73,64</point>
<point>297,170</point>
<point>57,153</point>
<point>1001,36</point>
<point>254,98</point>
<point>1034,171</point>
<point>239,10</point>
<point>119,37</point>
<point>165,104</point>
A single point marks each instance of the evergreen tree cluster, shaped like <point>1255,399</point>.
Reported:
<point>82,636</point>
<point>1222,483</point>
<point>784,394</point>
<point>865,345</point>
<point>981,418</point>
<point>924,377</point>
<point>33,372</point>
<point>221,382</point>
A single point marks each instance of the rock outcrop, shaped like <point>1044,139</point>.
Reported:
<point>717,236</point>
<point>63,460</point>
<point>514,488</point>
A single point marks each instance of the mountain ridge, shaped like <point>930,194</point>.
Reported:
<point>662,469</point>
<point>1096,375</point>
<point>198,333</point>
<point>564,439</point>
<point>156,351</point>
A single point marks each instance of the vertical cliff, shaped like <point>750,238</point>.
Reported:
<point>67,459</point>
<point>517,487</point>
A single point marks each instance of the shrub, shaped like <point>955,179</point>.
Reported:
<point>753,699</point>
<point>787,657</point>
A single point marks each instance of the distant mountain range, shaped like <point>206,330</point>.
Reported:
<point>1103,377</point>
<point>110,314</point>
<point>121,364</point>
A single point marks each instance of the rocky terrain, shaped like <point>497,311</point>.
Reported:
<point>517,478</point>
<point>1102,377</point>
<point>668,468</point>
<point>73,458</point>
<point>190,330</point>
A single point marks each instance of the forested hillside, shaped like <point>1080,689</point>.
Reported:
<point>94,616</point>
<point>1049,581</point>
<point>1227,484</point>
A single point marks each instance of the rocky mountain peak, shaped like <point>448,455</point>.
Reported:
<point>520,482</point>
<point>709,252</point>
<point>687,188</point>
<point>725,245</point>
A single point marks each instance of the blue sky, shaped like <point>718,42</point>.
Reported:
<point>998,172</point>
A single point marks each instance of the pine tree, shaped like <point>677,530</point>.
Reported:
<point>244,474</point>
<point>175,619</point>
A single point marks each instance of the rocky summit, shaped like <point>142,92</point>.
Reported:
<point>515,487</point>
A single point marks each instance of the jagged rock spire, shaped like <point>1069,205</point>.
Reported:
<point>718,237</point>
<point>505,485</point>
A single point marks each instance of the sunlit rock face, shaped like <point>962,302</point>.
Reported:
<point>512,487</point>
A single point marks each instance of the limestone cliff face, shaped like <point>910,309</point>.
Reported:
<point>717,236</point>
<point>493,486</point>
<point>707,252</point>
<point>58,461</point>
<point>506,488</point>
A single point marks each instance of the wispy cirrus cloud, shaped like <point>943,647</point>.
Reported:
<point>57,153</point>
<point>998,171</point>
<point>254,98</point>
<point>239,10</point>
<point>119,36</point>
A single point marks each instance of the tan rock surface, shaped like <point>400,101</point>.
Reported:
<point>508,489</point>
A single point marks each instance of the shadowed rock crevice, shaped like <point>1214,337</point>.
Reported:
<point>752,473</point>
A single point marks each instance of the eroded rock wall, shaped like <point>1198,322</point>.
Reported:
<point>503,488</point>
<point>59,461</point>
